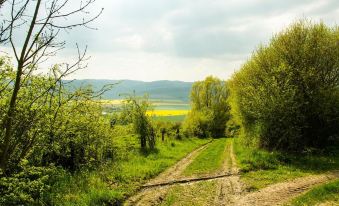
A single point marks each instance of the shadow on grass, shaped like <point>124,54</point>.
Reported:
<point>254,159</point>
<point>311,162</point>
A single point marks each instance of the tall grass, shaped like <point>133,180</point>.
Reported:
<point>111,183</point>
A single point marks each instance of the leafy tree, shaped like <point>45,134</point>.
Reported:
<point>41,19</point>
<point>134,111</point>
<point>210,109</point>
<point>287,95</point>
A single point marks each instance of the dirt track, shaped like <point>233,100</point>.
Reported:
<point>229,189</point>
<point>150,195</point>
<point>280,193</point>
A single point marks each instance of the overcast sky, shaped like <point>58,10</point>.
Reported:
<point>185,39</point>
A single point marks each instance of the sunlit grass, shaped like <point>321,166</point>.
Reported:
<point>111,183</point>
<point>209,160</point>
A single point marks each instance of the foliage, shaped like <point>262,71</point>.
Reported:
<point>64,128</point>
<point>52,126</point>
<point>28,186</point>
<point>134,110</point>
<point>111,183</point>
<point>210,109</point>
<point>286,96</point>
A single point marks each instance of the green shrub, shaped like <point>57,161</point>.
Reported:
<point>286,96</point>
<point>29,185</point>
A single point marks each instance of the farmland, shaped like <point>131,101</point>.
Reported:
<point>165,110</point>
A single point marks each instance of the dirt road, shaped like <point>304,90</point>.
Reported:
<point>222,187</point>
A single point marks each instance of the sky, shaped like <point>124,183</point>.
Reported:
<point>183,40</point>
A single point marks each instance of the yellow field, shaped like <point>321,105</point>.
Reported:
<point>167,112</point>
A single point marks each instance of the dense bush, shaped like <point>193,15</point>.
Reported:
<point>51,126</point>
<point>210,109</point>
<point>28,186</point>
<point>287,95</point>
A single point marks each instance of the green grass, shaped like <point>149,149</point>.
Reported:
<point>261,168</point>
<point>113,182</point>
<point>324,193</point>
<point>176,118</point>
<point>209,160</point>
<point>197,194</point>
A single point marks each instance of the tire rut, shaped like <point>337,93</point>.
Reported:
<point>229,188</point>
<point>279,194</point>
<point>151,196</point>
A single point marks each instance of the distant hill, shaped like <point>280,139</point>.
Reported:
<point>162,90</point>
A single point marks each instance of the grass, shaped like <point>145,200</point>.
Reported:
<point>328,193</point>
<point>209,160</point>
<point>262,168</point>
<point>201,193</point>
<point>113,182</point>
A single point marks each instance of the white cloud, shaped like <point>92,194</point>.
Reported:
<point>185,39</point>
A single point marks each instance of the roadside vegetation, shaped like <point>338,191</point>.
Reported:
<point>285,101</point>
<point>286,96</point>
<point>114,181</point>
<point>261,168</point>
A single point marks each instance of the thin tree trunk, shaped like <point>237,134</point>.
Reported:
<point>8,123</point>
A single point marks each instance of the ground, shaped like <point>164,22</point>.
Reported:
<point>210,176</point>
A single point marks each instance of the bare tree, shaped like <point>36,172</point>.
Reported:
<point>44,21</point>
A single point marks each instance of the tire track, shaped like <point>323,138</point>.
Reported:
<point>228,189</point>
<point>279,194</point>
<point>164,179</point>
